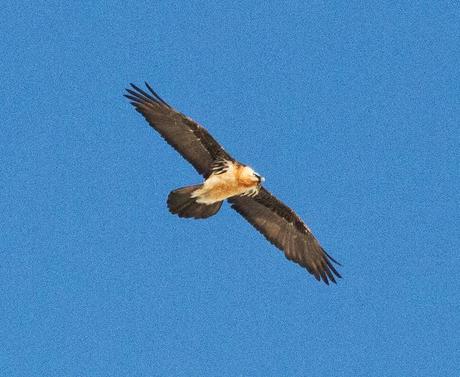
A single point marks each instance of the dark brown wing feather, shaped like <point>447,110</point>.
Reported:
<point>186,136</point>
<point>283,228</point>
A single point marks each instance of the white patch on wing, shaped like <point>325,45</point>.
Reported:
<point>251,192</point>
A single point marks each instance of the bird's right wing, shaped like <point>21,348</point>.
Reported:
<point>283,228</point>
<point>186,136</point>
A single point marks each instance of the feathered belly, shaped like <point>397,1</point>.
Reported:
<point>220,187</point>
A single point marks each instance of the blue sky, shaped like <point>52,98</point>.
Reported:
<point>350,111</point>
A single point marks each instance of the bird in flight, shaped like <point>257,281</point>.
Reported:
<point>227,179</point>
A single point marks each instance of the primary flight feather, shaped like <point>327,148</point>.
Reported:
<point>228,179</point>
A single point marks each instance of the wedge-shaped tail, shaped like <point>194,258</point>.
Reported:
<point>182,203</point>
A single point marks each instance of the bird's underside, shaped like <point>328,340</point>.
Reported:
<point>227,179</point>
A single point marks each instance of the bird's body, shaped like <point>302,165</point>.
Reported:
<point>228,179</point>
<point>236,180</point>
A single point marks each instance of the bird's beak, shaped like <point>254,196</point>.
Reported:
<point>262,179</point>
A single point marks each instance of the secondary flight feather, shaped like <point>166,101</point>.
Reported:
<point>227,179</point>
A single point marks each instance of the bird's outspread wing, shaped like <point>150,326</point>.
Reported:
<point>283,227</point>
<point>186,136</point>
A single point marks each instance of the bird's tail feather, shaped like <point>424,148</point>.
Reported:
<point>182,203</point>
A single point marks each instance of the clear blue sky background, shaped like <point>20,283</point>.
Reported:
<point>350,111</point>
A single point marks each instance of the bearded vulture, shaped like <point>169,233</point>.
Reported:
<point>227,179</point>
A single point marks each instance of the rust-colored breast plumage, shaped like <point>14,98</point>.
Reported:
<point>244,178</point>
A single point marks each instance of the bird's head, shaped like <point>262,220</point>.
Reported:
<point>252,176</point>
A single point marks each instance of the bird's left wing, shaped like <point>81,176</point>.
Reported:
<point>186,136</point>
<point>283,228</point>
